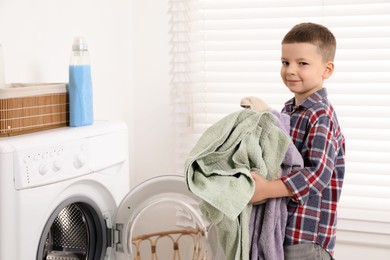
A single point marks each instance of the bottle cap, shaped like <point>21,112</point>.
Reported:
<point>79,44</point>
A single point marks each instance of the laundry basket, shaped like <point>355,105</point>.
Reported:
<point>150,246</point>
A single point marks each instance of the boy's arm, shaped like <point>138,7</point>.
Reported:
<point>268,189</point>
<point>319,154</point>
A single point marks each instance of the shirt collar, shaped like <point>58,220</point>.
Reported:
<point>310,100</point>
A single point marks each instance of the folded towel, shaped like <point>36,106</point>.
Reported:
<point>254,103</point>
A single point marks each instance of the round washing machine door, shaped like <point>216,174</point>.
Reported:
<point>160,219</point>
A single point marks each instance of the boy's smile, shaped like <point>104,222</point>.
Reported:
<point>303,69</point>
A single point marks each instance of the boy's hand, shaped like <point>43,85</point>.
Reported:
<point>260,188</point>
<point>268,189</point>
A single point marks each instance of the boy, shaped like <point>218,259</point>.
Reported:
<point>307,60</point>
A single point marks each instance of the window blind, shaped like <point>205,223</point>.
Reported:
<point>223,50</point>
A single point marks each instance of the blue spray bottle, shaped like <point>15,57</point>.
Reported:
<point>80,85</point>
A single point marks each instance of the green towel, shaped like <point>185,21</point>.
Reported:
<point>218,172</point>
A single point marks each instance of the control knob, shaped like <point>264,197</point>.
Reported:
<point>78,161</point>
<point>43,169</point>
<point>56,166</point>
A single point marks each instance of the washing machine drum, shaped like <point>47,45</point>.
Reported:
<point>160,219</point>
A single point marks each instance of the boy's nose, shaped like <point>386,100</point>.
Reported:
<point>291,69</point>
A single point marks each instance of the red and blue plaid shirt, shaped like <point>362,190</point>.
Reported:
<point>316,188</point>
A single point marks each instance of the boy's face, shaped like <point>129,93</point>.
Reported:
<point>303,69</point>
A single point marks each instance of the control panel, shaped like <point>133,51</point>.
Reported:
<point>51,163</point>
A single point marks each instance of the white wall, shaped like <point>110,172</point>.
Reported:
<point>154,133</point>
<point>129,45</point>
<point>361,246</point>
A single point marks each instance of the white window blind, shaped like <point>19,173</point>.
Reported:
<point>224,50</point>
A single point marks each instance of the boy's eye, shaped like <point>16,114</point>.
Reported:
<point>285,63</point>
<point>303,63</point>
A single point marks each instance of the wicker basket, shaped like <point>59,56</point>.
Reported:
<point>26,108</point>
<point>150,242</point>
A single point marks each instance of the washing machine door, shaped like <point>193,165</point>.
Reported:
<point>160,219</point>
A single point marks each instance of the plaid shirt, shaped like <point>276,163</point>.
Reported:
<point>316,187</point>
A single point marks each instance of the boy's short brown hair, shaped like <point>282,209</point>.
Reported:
<point>315,34</point>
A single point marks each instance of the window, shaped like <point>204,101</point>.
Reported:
<point>224,50</point>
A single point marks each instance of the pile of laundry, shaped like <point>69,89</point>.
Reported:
<point>218,171</point>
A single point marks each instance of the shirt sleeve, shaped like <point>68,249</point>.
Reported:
<point>318,152</point>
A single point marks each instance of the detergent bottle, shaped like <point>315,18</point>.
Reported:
<point>80,85</point>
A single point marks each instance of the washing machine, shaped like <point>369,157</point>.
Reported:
<point>65,194</point>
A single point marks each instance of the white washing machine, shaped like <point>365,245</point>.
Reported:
<point>64,194</point>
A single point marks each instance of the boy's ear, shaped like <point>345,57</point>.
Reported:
<point>328,70</point>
